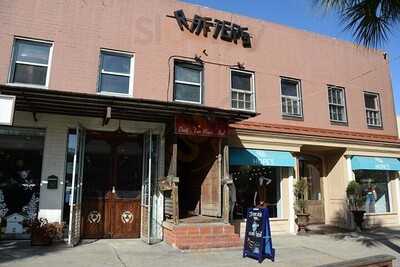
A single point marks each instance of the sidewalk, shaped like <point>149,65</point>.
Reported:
<point>308,250</point>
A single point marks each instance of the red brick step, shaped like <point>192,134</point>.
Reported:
<point>201,236</point>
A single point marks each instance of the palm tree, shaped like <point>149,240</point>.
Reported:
<point>371,21</point>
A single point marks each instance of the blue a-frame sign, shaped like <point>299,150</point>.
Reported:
<point>258,240</point>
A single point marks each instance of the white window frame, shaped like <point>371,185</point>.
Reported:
<point>130,75</point>
<point>299,98</point>
<point>376,110</point>
<point>200,84</point>
<point>342,89</point>
<point>14,62</point>
<point>252,91</point>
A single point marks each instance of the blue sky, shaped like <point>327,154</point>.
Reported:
<point>303,15</point>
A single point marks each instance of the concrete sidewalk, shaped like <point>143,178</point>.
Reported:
<point>308,250</point>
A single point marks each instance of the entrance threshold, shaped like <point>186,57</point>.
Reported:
<point>200,219</point>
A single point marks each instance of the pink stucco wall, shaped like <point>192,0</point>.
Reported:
<point>79,28</point>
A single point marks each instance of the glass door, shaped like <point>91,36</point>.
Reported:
<point>150,226</point>
<point>76,188</point>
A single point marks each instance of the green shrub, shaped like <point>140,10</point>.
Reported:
<point>300,189</point>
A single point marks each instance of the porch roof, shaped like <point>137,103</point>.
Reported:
<point>95,105</point>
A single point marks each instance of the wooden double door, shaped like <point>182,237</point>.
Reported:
<point>311,170</point>
<point>111,198</point>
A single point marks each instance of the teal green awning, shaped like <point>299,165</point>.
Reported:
<point>375,163</point>
<point>258,157</point>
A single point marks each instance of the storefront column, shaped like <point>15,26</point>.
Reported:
<point>51,200</point>
<point>350,173</point>
<point>350,177</point>
<point>397,185</point>
<point>292,224</point>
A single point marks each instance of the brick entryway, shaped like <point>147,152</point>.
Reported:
<point>201,236</point>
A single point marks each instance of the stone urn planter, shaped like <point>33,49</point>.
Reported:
<point>302,222</point>
<point>356,201</point>
<point>300,189</point>
<point>358,216</point>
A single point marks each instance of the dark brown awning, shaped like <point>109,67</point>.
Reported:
<point>92,105</point>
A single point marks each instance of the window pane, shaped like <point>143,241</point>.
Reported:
<point>30,74</point>
<point>116,63</point>
<point>284,105</point>
<point>187,92</point>
<point>289,88</point>
<point>187,73</point>
<point>32,52</point>
<point>234,104</point>
<point>114,84</point>
<point>234,96</point>
<point>241,81</point>
<point>370,101</point>
<point>375,190</point>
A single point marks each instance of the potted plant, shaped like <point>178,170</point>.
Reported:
<point>355,199</point>
<point>300,188</point>
<point>44,233</point>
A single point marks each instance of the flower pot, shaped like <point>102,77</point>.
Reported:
<point>358,216</point>
<point>40,238</point>
<point>302,222</point>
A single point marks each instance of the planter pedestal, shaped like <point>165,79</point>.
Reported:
<point>302,222</point>
<point>358,216</point>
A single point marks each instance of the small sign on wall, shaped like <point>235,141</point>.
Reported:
<point>7,106</point>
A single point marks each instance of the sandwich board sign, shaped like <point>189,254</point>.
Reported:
<point>7,106</point>
<point>258,240</point>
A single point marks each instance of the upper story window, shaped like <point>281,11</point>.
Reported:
<point>31,62</point>
<point>291,97</point>
<point>337,104</point>
<point>116,73</point>
<point>242,86</point>
<point>188,82</point>
<point>372,109</point>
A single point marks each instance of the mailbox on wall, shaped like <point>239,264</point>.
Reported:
<point>52,182</point>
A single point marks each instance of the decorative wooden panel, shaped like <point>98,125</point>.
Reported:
<point>211,188</point>
<point>316,210</point>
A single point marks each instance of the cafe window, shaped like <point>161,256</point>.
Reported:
<point>116,73</point>
<point>257,186</point>
<point>291,97</point>
<point>21,155</point>
<point>375,190</point>
<point>242,86</point>
<point>372,109</point>
<point>31,62</point>
<point>337,104</point>
<point>188,82</point>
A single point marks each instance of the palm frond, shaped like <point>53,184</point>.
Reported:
<point>370,21</point>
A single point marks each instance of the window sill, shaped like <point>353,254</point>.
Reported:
<point>28,85</point>
<point>340,123</point>
<point>380,214</point>
<point>115,94</point>
<point>187,102</point>
<point>373,127</point>
<point>293,118</point>
<point>242,109</point>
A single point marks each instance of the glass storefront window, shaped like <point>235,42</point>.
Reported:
<point>68,173</point>
<point>375,190</point>
<point>257,186</point>
<point>21,155</point>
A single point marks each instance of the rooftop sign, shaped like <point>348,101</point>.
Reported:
<point>225,30</point>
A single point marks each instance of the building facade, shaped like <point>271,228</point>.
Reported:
<point>164,120</point>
